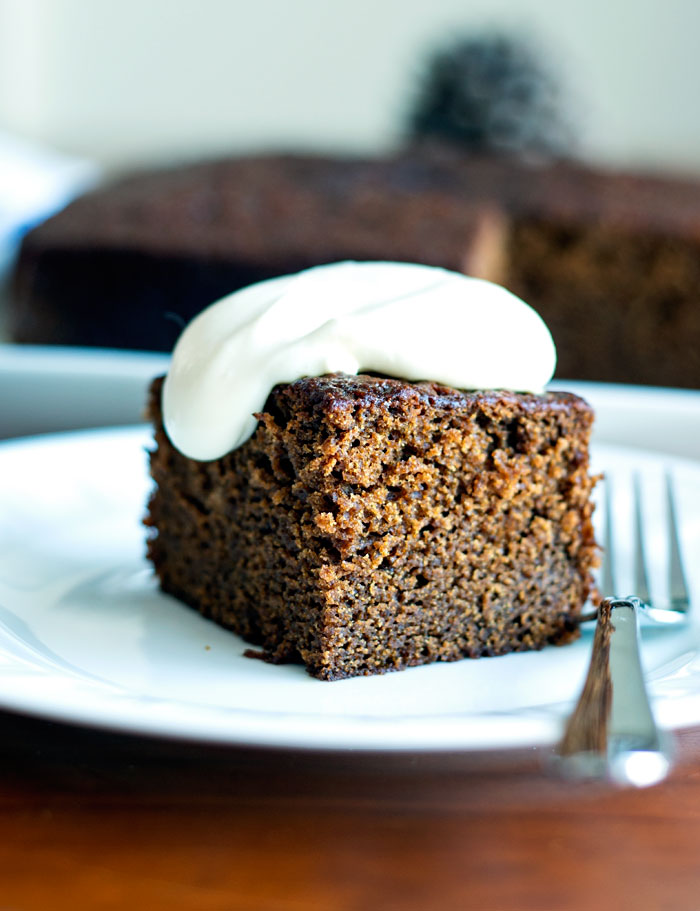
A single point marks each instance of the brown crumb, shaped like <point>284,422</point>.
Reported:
<point>372,524</point>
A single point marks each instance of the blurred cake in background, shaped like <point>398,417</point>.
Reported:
<point>126,266</point>
<point>611,261</point>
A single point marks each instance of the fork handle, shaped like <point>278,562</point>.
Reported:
<point>612,732</point>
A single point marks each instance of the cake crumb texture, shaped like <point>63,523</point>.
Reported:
<point>371,524</point>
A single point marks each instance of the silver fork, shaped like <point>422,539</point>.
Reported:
<point>612,733</point>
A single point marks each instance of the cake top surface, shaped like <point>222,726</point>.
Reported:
<point>334,392</point>
<point>283,206</point>
<point>402,320</point>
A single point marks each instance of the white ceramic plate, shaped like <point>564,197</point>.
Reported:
<point>52,388</point>
<point>86,636</point>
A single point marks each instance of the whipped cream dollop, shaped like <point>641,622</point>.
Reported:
<point>408,321</point>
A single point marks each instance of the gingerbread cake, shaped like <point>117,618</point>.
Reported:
<point>361,522</point>
<point>128,265</point>
<point>370,524</point>
<point>611,261</point>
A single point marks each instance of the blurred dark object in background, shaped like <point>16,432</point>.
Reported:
<point>492,94</point>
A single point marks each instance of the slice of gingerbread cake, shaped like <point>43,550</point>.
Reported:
<point>365,524</point>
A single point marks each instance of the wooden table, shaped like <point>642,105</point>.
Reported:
<point>105,821</point>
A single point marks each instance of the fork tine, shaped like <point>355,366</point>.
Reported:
<point>678,586</point>
<point>641,580</point>
<point>607,579</point>
<point>612,732</point>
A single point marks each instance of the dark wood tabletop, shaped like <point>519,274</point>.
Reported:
<point>92,819</point>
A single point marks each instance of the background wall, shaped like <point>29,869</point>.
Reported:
<point>131,81</point>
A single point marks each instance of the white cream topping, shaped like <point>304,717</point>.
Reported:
<point>408,321</point>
